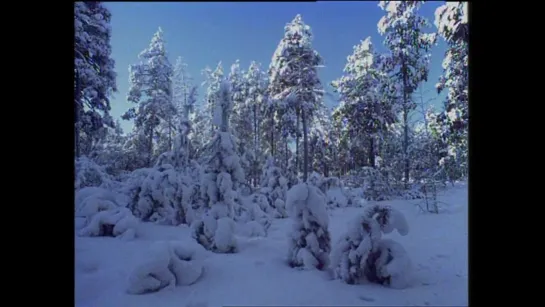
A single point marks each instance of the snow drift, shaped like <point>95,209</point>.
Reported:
<point>167,264</point>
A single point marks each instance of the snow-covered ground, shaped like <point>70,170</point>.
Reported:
<point>258,275</point>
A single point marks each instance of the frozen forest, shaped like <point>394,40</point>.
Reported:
<point>266,183</point>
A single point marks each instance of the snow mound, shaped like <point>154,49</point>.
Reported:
<point>91,200</point>
<point>117,222</point>
<point>168,264</point>
<point>310,241</point>
<point>336,198</point>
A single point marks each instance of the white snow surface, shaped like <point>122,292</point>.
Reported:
<point>257,274</point>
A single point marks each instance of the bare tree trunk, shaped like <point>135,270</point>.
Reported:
<point>272,133</point>
<point>305,146</point>
<point>77,94</point>
<point>405,124</point>
<point>298,114</point>
<point>371,152</point>
<point>169,133</point>
<point>150,146</point>
<point>286,147</point>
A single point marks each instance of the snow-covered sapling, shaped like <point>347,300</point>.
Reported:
<point>275,186</point>
<point>361,253</point>
<point>310,241</point>
<point>168,264</point>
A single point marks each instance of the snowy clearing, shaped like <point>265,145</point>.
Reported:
<point>258,274</point>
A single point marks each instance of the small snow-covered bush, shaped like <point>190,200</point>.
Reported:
<point>389,265</point>
<point>165,196</point>
<point>167,265</point>
<point>91,200</point>
<point>274,186</point>
<point>116,222</point>
<point>215,233</point>
<point>376,186</point>
<point>333,189</point>
<point>254,209</point>
<point>361,254</point>
<point>133,186</point>
<point>90,174</point>
<point>310,241</point>
<point>354,196</point>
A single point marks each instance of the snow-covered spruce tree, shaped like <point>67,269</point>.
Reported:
<point>151,88</point>
<point>451,20</point>
<point>409,57</point>
<point>94,76</point>
<point>363,110</point>
<point>275,187</point>
<point>222,176</point>
<point>361,253</point>
<point>294,79</point>
<point>310,241</point>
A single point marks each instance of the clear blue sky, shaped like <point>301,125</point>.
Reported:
<point>205,33</point>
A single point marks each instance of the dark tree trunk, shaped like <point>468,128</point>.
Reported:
<point>77,98</point>
<point>371,153</point>
<point>272,133</point>
<point>298,114</point>
<point>405,123</point>
<point>305,146</point>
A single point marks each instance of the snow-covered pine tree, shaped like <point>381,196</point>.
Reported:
<point>364,112</point>
<point>222,176</point>
<point>240,119</point>
<point>451,20</point>
<point>151,88</point>
<point>182,90</point>
<point>361,253</point>
<point>213,80</point>
<point>407,63</point>
<point>310,241</point>
<point>94,76</point>
<point>294,80</point>
<point>255,83</point>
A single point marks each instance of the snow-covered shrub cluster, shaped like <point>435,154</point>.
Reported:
<point>164,196</point>
<point>332,188</point>
<point>362,255</point>
<point>167,264</point>
<point>91,200</point>
<point>275,187</point>
<point>375,186</point>
<point>354,196</point>
<point>104,214</point>
<point>90,174</point>
<point>310,241</point>
<point>115,222</point>
<point>256,212</point>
